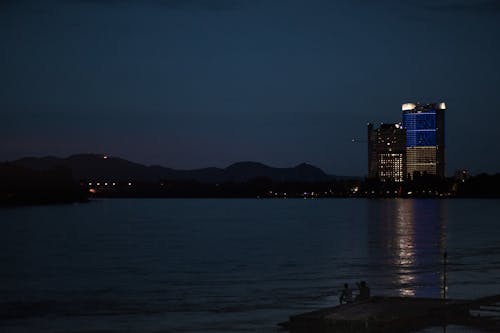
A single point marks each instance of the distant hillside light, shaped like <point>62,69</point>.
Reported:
<point>105,157</point>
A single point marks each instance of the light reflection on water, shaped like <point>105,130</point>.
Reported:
<point>408,238</point>
<point>233,265</point>
<point>405,247</point>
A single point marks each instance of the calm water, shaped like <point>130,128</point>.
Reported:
<point>232,265</point>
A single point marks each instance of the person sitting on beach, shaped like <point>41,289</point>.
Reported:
<point>364,291</point>
<point>346,294</point>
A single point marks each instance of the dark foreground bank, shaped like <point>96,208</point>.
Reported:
<point>398,314</point>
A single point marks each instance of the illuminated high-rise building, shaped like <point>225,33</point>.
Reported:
<point>424,125</point>
<point>386,152</point>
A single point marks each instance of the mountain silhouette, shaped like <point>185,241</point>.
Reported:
<point>100,167</point>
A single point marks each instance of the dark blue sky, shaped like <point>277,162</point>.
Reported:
<point>196,83</point>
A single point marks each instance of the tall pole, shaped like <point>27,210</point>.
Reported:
<point>445,255</point>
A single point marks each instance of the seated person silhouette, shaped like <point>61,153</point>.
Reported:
<point>364,291</point>
<point>346,295</point>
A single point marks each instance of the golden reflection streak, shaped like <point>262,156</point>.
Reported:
<point>405,247</point>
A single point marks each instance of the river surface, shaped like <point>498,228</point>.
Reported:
<point>230,265</point>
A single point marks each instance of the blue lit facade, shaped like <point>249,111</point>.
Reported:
<point>424,125</point>
<point>420,129</point>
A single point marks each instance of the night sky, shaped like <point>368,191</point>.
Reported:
<point>198,83</point>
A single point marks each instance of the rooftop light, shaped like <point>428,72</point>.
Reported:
<point>408,106</point>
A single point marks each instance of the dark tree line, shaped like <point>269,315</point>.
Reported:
<point>480,186</point>
<point>256,188</point>
<point>19,186</point>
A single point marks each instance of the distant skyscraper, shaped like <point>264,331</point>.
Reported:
<point>424,126</point>
<point>386,152</point>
